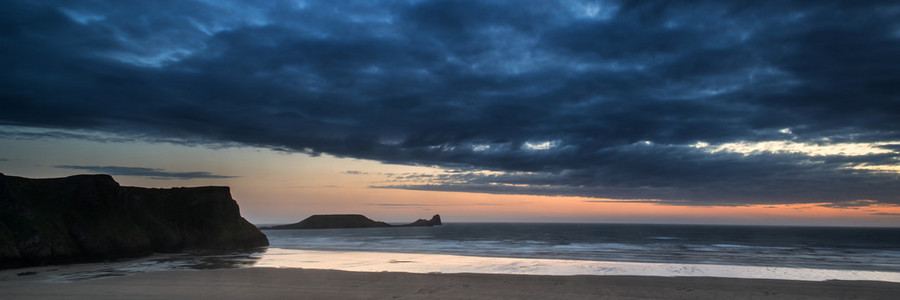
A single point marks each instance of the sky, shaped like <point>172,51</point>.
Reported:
<point>706,112</point>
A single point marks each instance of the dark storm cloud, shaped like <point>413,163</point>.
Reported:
<point>587,98</point>
<point>144,172</point>
<point>853,204</point>
<point>15,133</point>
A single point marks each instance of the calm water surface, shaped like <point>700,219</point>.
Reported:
<point>873,249</point>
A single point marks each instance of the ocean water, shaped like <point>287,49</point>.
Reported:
<point>817,248</point>
<point>792,253</point>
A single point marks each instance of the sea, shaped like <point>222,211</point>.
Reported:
<point>867,249</point>
<point>770,252</point>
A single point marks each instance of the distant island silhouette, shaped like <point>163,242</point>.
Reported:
<point>350,221</point>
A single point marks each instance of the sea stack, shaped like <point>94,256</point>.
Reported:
<point>91,218</point>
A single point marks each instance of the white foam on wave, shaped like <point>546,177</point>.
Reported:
<point>663,238</point>
<point>440,263</point>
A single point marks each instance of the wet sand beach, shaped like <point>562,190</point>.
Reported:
<point>284,283</point>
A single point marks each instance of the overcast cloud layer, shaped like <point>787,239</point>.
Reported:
<point>628,100</point>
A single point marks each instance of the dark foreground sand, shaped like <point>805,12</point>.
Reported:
<point>269,283</point>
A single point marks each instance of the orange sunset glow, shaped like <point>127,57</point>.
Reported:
<point>277,187</point>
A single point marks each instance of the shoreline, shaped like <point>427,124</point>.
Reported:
<point>443,263</point>
<point>277,283</point>
<point>419,263</point>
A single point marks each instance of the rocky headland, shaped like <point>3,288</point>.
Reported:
<point>350,221</point>
<point>92,218</point>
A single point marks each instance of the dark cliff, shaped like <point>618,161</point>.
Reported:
<point>90,218</point>
<point>350,221</point>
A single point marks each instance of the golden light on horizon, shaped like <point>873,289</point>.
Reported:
<point>405,205</point>
<point>273,187</point>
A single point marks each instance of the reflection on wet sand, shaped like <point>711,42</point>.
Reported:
<point>196,260</point>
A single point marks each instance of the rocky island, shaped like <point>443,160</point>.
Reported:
<point>91,218</point>
<point>350,221</point>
